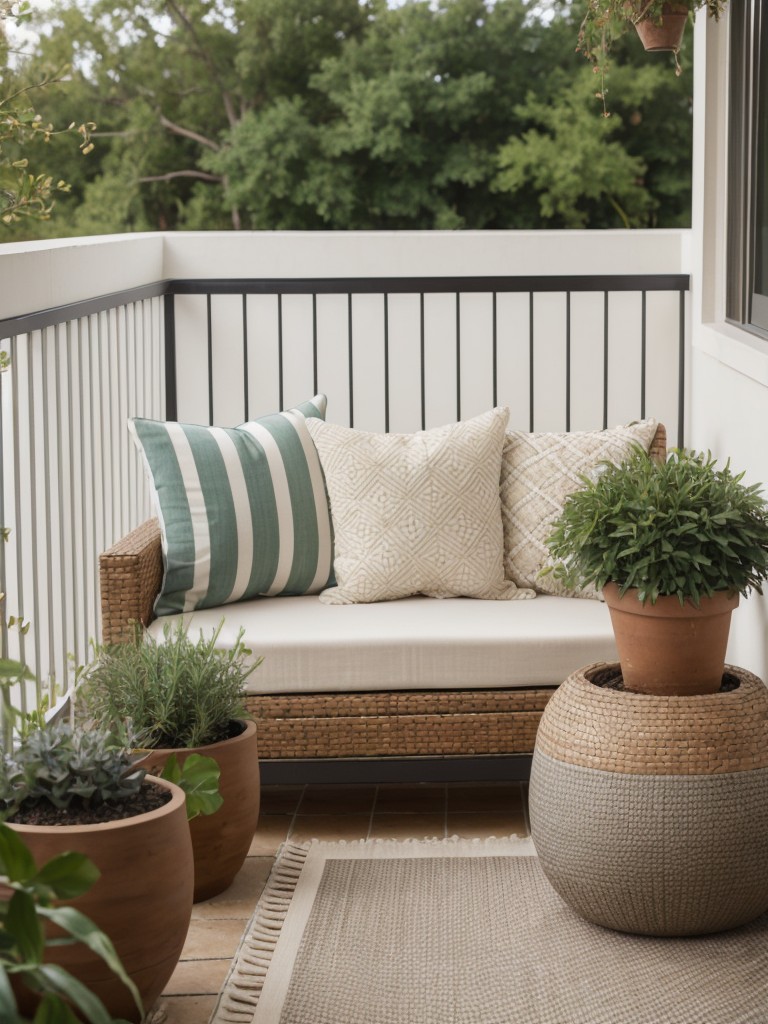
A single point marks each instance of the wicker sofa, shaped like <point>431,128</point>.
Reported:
<point>414,678</point>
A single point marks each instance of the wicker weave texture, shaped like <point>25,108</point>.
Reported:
<point>398,724</point>
<point>653,854</point>
<point>130,575</point>
<point>592,724</point>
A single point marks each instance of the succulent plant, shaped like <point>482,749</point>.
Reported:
<point>59,764</point>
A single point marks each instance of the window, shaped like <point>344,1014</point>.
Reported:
<point>747,267</point>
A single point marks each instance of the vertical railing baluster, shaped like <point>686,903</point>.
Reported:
<point>495,356</point>
<point>64,479</point>
<point>531,375</point>
<point>643,352</point>
<point>246,404</point>
<point>84,546</point>
<point>209,323</point>
<point>386,363</point>
<point>605,360</point>
<point>567,361</point>
<point>681,373</point>
<point>48,527</point>
<point>73,540</point>
<point>422,365</point>
<point>280,350</point>
<point>315,386</point>
<point>351,362</point>
<point>18,610</point>
<point>32,498</point>
<point>458,356</point>
<point>169,328</point>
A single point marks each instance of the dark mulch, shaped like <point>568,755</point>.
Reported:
<point>149,798</point>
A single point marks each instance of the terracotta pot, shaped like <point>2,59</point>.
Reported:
<point>142,901</point>
<point>220,841</point>
<point>669,34</point>
<point>669,648</point>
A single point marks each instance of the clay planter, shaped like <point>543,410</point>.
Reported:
<point>220,841</point>
<point>669,648</point>
<point>669,34</point>
<point>142,901</point>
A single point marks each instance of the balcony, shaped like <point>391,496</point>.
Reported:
<point>573,331</point>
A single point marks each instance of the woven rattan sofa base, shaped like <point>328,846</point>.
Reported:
<point>399,723</point>
<point>442,723</point>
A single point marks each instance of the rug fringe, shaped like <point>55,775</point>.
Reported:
<point>245,980</point>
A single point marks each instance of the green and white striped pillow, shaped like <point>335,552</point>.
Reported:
<point>243,511</point>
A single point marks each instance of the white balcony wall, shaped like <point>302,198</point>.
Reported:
<point>729,366</point>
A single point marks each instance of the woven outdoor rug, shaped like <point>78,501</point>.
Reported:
<point>467,932</point>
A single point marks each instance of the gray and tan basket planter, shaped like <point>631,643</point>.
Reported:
<point>649,813</point>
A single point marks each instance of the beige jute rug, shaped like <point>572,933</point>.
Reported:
<point>467,932</point>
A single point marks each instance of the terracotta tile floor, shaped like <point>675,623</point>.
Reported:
<point>327,812</point>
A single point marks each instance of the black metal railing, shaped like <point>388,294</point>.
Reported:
<point>565,352</point>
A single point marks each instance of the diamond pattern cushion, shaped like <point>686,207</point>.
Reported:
<point>416,513</point>
<point>538,472</point>
<point>243,511</point>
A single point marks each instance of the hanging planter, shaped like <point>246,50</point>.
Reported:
<point>666,33</point>
<point>659,23</point>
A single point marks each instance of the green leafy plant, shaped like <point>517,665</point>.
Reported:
<point>25,189</point>
<point>198,776</point>
<point>680,527</point>
<point>177,693</point>
<point>60,765</point>
<point>605,21</point>
<point>29,903</point>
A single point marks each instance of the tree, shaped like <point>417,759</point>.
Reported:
<point>26,190</point>
<point>351,114</point>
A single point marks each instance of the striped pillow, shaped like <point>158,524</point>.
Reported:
<point>243,511</point>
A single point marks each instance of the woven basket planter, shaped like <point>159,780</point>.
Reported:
<point>650,814</point>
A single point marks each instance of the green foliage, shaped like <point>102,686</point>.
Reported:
<point>28,903</point>
<point>26,190</point>
<point>358,115</point>
<point>199,778</point>
<point>678,527</point>
<point>177,692</point>
<point>59,765</point>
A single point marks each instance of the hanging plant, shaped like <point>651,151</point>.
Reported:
<point>606,21</point>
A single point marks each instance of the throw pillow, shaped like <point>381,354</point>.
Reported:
<point>243,511</point>
<point>416,513</point>
<point>538,472</point>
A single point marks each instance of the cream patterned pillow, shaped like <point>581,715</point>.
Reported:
<point>416,513</point>
<point>538,472</point>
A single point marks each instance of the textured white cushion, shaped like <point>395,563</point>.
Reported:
<point>416,513</point>
<point>538,472</point>
<point>416,643</point>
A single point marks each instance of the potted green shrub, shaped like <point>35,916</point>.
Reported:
<point>184,697</point>
<point>30,901</point>
<point>672,544</point>
<point>659,23</point>
<point>65,790</point>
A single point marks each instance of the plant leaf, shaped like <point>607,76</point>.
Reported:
<point>84,930</point>
<point>68,875</point>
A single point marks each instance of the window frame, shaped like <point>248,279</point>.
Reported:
<point>748,43</point>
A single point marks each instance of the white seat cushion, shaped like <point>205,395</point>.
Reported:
<point>412,644</point>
